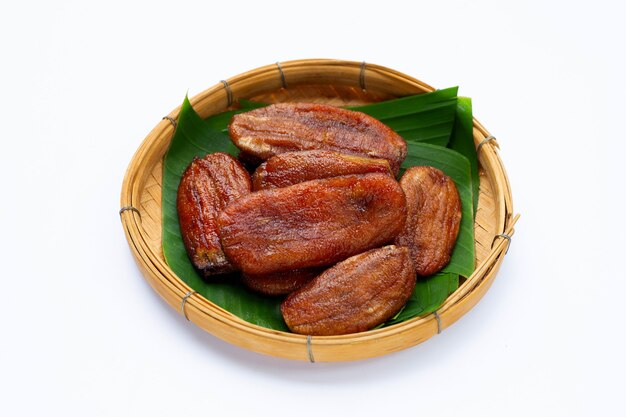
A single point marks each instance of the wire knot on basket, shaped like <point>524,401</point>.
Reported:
<point>127,208</point>
<point>182,305</point>
<point>283,80</point>
<point>503,236</point>
<point>171,120</point>
<point>362,76</point>
<point>229,93</point>
<point>484,141</point>
<point>309,348</point>
<point>438,322</point>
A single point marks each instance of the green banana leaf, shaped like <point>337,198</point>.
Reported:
<point>427,118</point>
<point>462,141</point>
<point>221,121</point>
<point>195,136</point>
<point>432,291</point>
<point>457,167</point>
<point>428,295</point>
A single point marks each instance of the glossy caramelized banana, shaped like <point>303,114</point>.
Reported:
<point>280,283</point>
<point>353,296</point>
<point>206,187</point>
<point>314,223</point>
<point>286,127</point>
<point>433,218</point>
<point>294,167</point>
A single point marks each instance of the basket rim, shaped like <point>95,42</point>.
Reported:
<point>194,305</point>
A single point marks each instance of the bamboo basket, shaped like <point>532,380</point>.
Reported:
<point>325,81</point>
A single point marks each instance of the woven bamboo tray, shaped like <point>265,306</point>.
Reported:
<point>324,81</point>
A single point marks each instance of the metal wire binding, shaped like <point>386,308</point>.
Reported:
<point>438,322</point>
<point>362,76</point>
<point>131,208</point>
<point>283,80</point>
<point>171,119</point>
<point>229,92</point>
<point>487,139</point>
<point>504,236</point>
<point>309,349</point>
<point>182,305</point>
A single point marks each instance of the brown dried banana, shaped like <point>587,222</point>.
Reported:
<point>314,223</point>
<point>433,218</point>
<point>207,186</point>
<point>294,167</point>
<point>353,296</point>
<point>286,127</point>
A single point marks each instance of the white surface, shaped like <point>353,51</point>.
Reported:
<point>82,85</point>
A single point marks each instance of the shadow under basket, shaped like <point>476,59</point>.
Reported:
<point>323,81</point>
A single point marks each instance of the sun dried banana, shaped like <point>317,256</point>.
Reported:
<point>286,127</point>
<point>294,167</point>
<point>353,296</point>
<point>206,187</point>
<point>314,223</point>
<point>433,218</point>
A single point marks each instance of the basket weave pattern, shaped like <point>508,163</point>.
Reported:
<point>323,81</point>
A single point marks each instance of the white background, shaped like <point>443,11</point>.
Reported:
<point>81,86</point>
